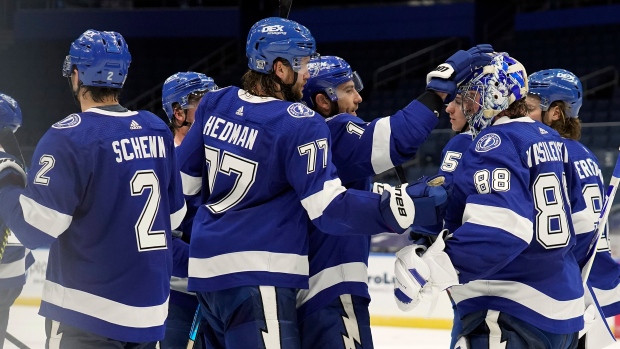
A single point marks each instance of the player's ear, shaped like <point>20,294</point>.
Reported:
<point>554,113</point>
<point>179,114</point>
<point>280,69</point>
<point>322,102</point>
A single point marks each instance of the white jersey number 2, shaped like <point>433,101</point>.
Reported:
<point>47,162</point>
<point>148,240</point>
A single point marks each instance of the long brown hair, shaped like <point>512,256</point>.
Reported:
<point>515,110</point>
<point>263,85</point>
<point>566,126</point>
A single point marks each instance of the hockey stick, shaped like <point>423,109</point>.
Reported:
<point>285,8</point>
<point>16,342</point>
<point>602,220</point>
<point>400,173</point>
<point>10,144</point>
<point>194,330</point>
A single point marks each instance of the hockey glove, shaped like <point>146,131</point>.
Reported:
<point>431,198</point>
<point>410,275</point>
<point>421,273</point>
<point>11,171</point>
<point>422,203</point>
<point>458,67</point>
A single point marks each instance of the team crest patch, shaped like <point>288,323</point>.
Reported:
<point>68,122</point>
<point>487,142</point>
<point>299,110</point>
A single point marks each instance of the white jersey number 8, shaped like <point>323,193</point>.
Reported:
<point>593,198</point>
<point>551,224</point>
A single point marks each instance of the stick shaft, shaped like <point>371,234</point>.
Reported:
<point>602,220</point>
<point>16,342</point>
<point>195,326</point>
<point>400,173</point>
<point>285,8</point>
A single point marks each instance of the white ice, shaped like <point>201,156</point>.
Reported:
<point>27,326</point>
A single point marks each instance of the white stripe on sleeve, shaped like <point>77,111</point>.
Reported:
<point>177,217</point>
<point>583,221</point>
<point>47,220</point>
<point>191,184</point>
<point>500,218</point>
<point>316,203</point>
<point>380,155</point>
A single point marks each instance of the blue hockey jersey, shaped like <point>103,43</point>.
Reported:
<point>452,154</point>
<point>104,192</point>
<point>513,232</point>
<point>338,264</point>
<point>605,273</point>
<point>269,167</point>
<point>14,263</point>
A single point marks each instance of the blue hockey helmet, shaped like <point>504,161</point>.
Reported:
<point>178,87</point>
<point>276,37</point>
<point>557,85</point>
<point>326,74</point>
<point>10,113</point>
<point>491,89</point>
<point>101,58</point>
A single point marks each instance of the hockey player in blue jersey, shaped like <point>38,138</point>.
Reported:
<point>266,166</point>
<point>511,210</point>
<point>181,94</point>
<point>452,155</point>
<point>103,192</point>
<point>16,258</point>
<point>555,98</point>
<point>333,312</point>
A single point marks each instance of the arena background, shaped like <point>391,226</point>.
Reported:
<point>392,45</point>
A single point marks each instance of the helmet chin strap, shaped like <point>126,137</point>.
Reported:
<point>287,89</point>
<point>185,122</point>
<point>464,128</point>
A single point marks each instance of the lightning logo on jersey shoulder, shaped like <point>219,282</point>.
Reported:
<point>487,142</point>
<point>299,110</point>
<point>68,122</point>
